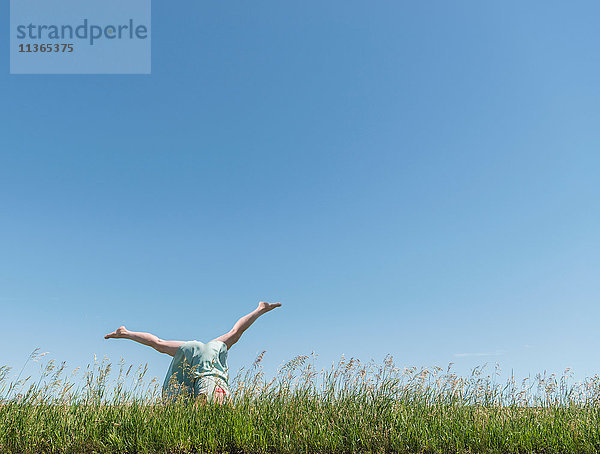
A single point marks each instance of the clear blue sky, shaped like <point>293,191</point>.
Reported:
<point>412,178</point>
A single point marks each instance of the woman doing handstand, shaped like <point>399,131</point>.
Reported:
<point>197,369</point>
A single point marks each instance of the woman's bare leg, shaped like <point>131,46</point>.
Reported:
<point>163,346</point>
<point>244,323</point>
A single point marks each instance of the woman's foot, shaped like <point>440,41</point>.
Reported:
<point>120,333</point>
<point>266,307</point>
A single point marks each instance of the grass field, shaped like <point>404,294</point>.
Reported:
<point>351,407</point>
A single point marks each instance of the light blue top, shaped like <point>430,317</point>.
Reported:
<point>194,360</point>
